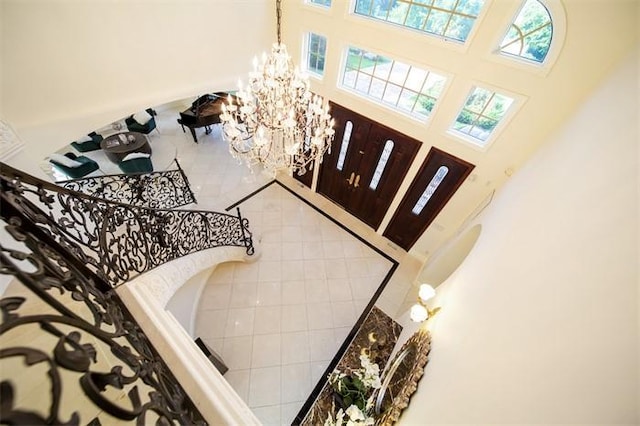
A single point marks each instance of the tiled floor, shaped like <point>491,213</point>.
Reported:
<point>278,321</point>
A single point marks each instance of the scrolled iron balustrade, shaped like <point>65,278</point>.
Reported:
<point>70,350</point>
<point>158,190</point>
<point>119,241</point>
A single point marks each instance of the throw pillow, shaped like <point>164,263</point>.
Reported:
<point>142,117</point>
<point>64,160</point>
<point>84,139</point>
<point>134,155</point>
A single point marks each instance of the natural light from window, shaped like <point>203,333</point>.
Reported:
<point>430,190</point>
<point>324,3</point>
<point>400,86</point>
<point>480,115</point>
<point>316,51</point>
<point>529,36</point>
<point>382,164</point>
<point>449,19</point>
<point>346,138</point>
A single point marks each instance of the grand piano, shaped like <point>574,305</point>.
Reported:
<point>203,112</point>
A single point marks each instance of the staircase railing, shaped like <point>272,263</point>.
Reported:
<point>158,190</point>
<point>118,241</point>
<point>70,350</point>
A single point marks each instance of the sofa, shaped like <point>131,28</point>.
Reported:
<point>88,143</point>
<point>72,165</point>
<point>141,122</point>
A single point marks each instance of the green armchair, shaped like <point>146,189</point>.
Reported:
<point>142,122</point>
<point>136,163</point>
<point>72,165</point>
<point>91,142</point>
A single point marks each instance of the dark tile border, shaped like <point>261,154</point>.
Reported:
<point>343,348</point>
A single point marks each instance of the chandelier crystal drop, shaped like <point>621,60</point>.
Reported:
<point>275,120</point>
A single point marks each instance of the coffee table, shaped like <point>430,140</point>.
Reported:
<point>118,146</point>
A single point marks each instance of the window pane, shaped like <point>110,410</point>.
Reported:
<point>433,85</point>
<point>416,16</point>
<point>363,7</point>
<point>316,50</point>
<point>353,58</point>
<point>444,4</point>
<point>407,100</point>
<point>481,113</point>
<point>392,83</point>
<point>377,88</point>
<point>399,73</point>
<point>363,83</point>
<point>437,21</point>
<point>416,78</point>
<point>349,79</point>
<point>381,8</point>
<point>430,190</point>
<point>459,27</point>
<point>383,67</point>
<point>470,7</point>
<point>382,163</point>
<point>348,127</point>
<point>434,17</point>
<point>392,94</point>
<point>530,34</point>
<point>325,3</point>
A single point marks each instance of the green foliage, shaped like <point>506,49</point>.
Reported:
<point>442,19</point>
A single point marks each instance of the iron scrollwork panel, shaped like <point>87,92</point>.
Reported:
<point>118,241</point>
<point>158,190</point>
<point>71,352</point>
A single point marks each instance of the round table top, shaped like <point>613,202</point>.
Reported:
<point>124,142</point>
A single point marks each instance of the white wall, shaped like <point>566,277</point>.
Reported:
<point>69,67</point>
<point>540,323</point>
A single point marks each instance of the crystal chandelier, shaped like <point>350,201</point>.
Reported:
<point>276,121</point>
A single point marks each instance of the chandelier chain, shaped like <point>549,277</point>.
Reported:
<point>279,20</point>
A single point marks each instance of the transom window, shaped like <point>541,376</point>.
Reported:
<point>324,3</point>
<point>430,190</point>
<point>529,36</point>
<point>403,87</point>
<point>382,164</point>
<point>346,137</point>
<point>316,50</point>
<point>449,19</point>
<point>481,114</point>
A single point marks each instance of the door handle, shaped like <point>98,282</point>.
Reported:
<point>350,180</point>
<point>355,185</point>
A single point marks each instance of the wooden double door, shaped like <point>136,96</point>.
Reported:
<point>366,166</point>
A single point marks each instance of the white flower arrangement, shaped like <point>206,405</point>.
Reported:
<point>357,394</point>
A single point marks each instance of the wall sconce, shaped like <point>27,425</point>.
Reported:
<point>420,312</point>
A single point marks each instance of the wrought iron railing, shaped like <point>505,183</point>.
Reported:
<point>115,240</point>
<point>158,190</point>
<point>71,352</point>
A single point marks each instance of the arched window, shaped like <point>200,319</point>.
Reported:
<point>345,144</point>
<point>382,163</point>
<point>530,34</point>
<point>430,189</point>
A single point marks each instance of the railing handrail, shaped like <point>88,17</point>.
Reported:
<point>119,240</point>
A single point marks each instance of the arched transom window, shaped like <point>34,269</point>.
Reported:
<point>529,36</point>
